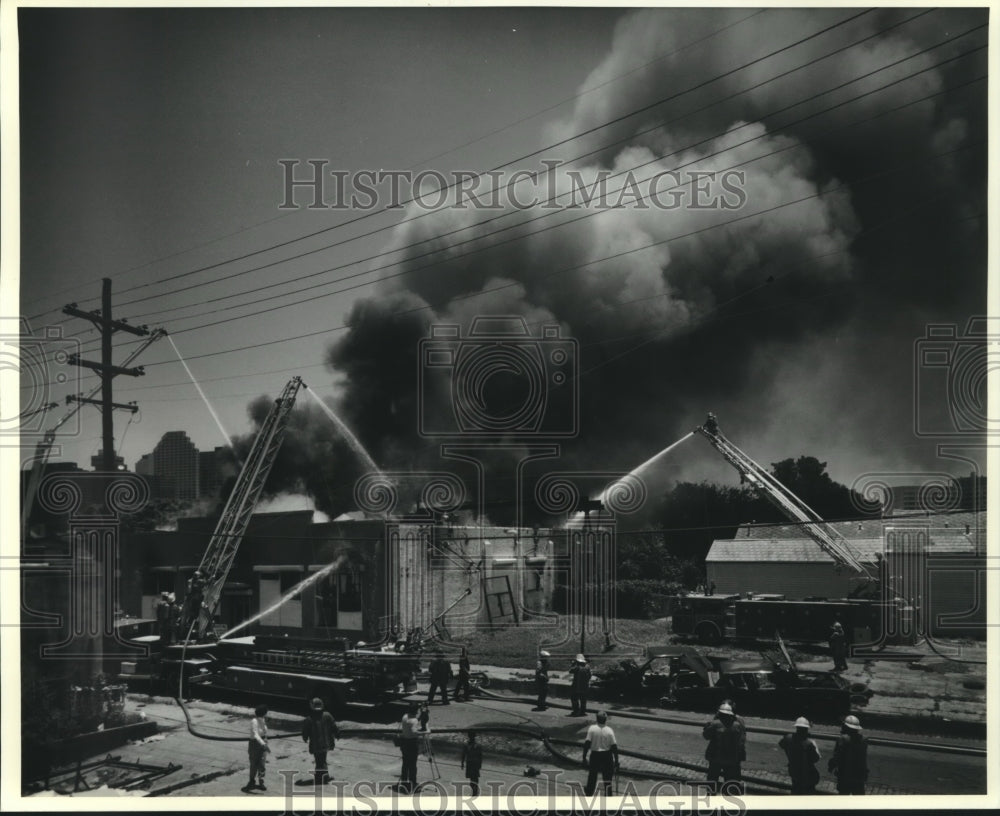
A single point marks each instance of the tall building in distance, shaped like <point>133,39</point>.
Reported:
<point>213,468</point>
<point>172,469</point>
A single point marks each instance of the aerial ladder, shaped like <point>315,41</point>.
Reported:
<point>210,577</point>
<point>45,444</point>
<point>828,539</point>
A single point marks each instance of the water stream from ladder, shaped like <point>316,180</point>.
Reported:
<point>295,590</point>
<point>211,410</point>
<point>346,432</point>
<point>637,471</point>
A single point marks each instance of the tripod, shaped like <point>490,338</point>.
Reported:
<point>429,753</point>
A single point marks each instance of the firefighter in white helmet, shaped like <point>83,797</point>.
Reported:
<point>850,758</point>
<point>802,755</point>
<point>726,749</point>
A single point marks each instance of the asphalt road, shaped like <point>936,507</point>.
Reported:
<point>218,767</point>
<point>892,769</point>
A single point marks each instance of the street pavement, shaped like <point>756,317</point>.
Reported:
<point>213,760</point>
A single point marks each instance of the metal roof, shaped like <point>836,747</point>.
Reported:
<point>800,550</point>
<point>944,523</point>
<point>807,551</point>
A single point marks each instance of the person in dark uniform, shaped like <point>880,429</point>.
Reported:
<point>193,601</point>
<point>850,758</point>
<point>320,730</point>
<point>542,680</point>
<point>174,613</point>
<point>579,686</point>
<point>726,749</point>
<point>838,647</point>
<point>802,754</point>
<point>472,761</point>
<point>464,675</point>
<point>163,624</point>
<point>440,674</point>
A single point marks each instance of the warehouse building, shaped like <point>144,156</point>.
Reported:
<point>936,562</point>
<point>387,575</point>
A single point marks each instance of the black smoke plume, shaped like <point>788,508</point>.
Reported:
<point>796,327</point>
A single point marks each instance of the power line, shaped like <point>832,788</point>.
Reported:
<point>599,260</point>
<point>454,149</point>
<point>583,265</point>
<point>517,237</point>
<point>559,143</point>
<point>587,154</point>
<point>894,218</point>
<point>597,87</point>
<point>588,215</point>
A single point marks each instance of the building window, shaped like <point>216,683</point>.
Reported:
<point>274,589</point>
<point>339,601</point>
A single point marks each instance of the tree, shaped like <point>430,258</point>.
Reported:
<point>807,478</point>
<point>694,515</point>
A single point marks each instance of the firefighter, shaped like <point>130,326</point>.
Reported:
<point>257,748</point>
<point>440,674</point>
<point>464,675</point>
<point>320,730</point>
<point>603,748</point>
<point>542,680</point>
<point>174,614</point>
<point>579,686</point>
<point>472,761</point>
<point>193,600</point>
<point>838,646</point>
<point>802,755</point>
<point>850,758</point>
<point>408,740</point>
<point>726,749</point>
<point>163,626</point>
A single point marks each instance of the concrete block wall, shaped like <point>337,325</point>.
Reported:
<point>465,572</point>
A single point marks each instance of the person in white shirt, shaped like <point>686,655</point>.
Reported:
<point>603,749</point>
<point>409,746</point>
<point>257,747</point>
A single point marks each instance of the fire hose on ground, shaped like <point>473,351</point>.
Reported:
<point>522,731</point>
<point>934,747</point>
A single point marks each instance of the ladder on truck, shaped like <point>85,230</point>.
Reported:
<point>221,551</point>
<point>828,539</point>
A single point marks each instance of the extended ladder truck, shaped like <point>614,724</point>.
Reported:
<point>286,667</point>
<point>712,618</point>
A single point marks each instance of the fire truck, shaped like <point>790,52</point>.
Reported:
<point>334,670</point>
<point>714,618</point>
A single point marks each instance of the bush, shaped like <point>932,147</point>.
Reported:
<point>637,598</point>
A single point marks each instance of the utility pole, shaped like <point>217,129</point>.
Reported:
<point>107,327</point>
